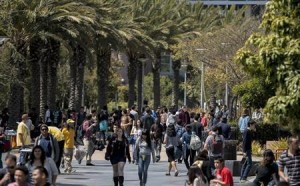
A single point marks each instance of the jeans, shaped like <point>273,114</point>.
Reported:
<point>156,148</point>
<point>246,166</point>
<point>189,154</point>
<point>144,161</point>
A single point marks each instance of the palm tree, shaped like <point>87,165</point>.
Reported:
<point>191,20</point>
<point>55,19</point>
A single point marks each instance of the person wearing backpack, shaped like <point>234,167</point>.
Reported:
<point>188,153</point>
<point>215,145</point>
<point>180,130</point>
<point>196,126</point>
<point>156,139</point>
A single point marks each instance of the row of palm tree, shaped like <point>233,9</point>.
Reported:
<point>90,30</point>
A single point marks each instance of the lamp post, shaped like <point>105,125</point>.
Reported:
<point>226,71</point>
<point>141,99</point>
<point>202,90</point>
<point>184,69</point>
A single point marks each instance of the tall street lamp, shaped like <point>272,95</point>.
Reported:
<point>184,69</point>
<point>202,89</point>
<point>141,100</point>
<point>226,83</point>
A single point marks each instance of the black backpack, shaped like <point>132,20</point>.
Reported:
<point>217,145</point>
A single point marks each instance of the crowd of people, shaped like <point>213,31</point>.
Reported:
<point>197,139</point>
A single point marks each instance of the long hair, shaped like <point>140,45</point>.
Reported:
<point>195,172</point>
<point>171,130</point>
<point>148,140</point>
<point>268,153</point>
<point>43,155</point>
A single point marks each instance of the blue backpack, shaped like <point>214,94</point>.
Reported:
<point>103,125</point>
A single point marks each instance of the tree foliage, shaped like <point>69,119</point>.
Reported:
<point>275,55</point>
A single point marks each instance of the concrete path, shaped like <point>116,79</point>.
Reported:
<point>101,173</point>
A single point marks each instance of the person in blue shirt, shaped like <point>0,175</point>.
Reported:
<point>188,153</point>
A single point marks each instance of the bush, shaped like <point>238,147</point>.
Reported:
<point>270,132</point>
<point>257,148</point>
<point>280,144</point>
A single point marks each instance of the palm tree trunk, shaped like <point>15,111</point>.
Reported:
<point>140,86</point>
<point>43,85</point>
<point>17,91</point>
<point>103,66</point>
<point>53,60</point>
<point>34,101</point>
<point>132,70</point>
<point>156,80</point>
<point>175,90</point>
<point>73,79</point>
<point>80,76</point>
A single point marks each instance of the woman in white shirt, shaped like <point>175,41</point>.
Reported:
<point>38,158</point>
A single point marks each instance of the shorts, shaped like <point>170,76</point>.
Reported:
<point>117,159</point>
<point>170,153</point>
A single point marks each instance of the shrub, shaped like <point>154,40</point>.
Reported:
<point>256,148</point>
<point>280,144</point>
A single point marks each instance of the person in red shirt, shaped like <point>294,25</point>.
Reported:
<point>223,174</point>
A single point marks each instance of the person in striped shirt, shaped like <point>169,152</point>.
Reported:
<point>290,159</point>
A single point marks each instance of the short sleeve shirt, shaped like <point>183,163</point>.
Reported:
<point>225,175</point>
<point>292,163</point>
<point>23,129</point>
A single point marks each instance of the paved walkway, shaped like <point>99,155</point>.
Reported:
<point>101,174</point>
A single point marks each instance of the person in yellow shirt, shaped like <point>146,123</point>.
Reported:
<point>58,135</point>
<point>69,134</point>
<point>23,138</point>
<point>23,133</point>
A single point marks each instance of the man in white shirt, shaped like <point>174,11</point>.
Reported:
<point>48,120</point>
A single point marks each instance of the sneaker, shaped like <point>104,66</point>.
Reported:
<point>243,181</point>
<point>90,164</point>
<point>157,158</point>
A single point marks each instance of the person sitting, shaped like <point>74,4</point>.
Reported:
<point>266,172</point>
<point>202,161</point>
<point>223,174</point>
<point>196,177</point>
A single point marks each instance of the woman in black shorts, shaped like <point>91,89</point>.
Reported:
<point>171,141</point>
<point>117,150</point>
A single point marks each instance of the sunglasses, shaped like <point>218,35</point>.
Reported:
<point>45,129</point>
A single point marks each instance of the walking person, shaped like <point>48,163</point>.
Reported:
<point>136,132</point>
<point>214,144</point>
<point>188,153</point>
<point>143,153</point>
<point>89,138</point>
<point>38,158</point>
<point>69,134</point>
<point>23,138</point>
<point>248,136</point>
<point>117,150</point>
<point>58,135</point>
<point>21,177</point>
<point>48,142</point>
<point>290,159</point>
<point>156,132</point>
<point>171,141</point>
